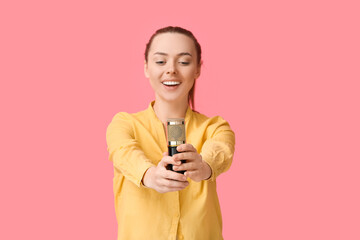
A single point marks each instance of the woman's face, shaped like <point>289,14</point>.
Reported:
<point>172,66</point>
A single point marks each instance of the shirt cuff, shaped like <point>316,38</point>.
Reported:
<point>212,176</point>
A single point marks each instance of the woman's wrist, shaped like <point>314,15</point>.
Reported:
<point>208,171</point>
<point>146,177</point>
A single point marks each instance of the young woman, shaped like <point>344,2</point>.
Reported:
<point>152,202</point>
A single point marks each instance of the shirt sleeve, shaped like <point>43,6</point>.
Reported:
<point>218,149</point>
<point>124,150</point>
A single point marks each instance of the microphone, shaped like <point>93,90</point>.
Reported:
<point>175,137</point>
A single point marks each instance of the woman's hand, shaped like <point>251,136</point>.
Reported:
<point>163,180</point>
<point>195,167</point>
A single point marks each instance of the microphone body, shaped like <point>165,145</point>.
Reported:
<point>175,136</point>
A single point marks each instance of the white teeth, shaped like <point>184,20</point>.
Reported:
<point>171,83</point>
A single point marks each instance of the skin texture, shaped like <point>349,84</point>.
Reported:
<point>172,56</point>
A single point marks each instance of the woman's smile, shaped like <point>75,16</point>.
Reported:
<point>171,84</point>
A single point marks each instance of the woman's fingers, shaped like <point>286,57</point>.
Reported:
<point>193,161</point>
<point>191,174</point>
<point>185,156</point>
<point>195,168</point>
<point>170,184</point>
<point>163,180</point>
<point>189,166</point>
<point>194,175</point>
<point>168,160</point>
<point>171,175</point>
<point>187,147</point>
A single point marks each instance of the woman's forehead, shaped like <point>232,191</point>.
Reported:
<point>172,43</point>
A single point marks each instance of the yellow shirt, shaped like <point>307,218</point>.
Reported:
<point>135,143</point>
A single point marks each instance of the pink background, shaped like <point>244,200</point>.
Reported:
<point>285,74</point>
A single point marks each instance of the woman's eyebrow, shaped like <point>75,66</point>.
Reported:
<point>180,54</point>
<point>185,53</point>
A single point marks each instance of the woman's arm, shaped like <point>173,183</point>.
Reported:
<point>218,149</point>
<point>124,150</point>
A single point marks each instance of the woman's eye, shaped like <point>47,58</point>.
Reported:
<point>184,63</point>
<point>160,62</point>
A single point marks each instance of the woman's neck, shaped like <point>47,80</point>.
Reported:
<point>165,110</point>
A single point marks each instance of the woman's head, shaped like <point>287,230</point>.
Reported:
<point>173,53</point>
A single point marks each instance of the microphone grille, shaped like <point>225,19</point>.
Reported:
<point>176,129</point>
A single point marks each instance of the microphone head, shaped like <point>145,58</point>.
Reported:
<point>176,131</point>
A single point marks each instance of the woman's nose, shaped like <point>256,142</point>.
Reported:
<point>171,68</point>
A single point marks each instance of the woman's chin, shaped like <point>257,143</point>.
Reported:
<point>172,98</point>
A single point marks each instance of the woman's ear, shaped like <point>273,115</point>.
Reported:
<point>146,69</point>
<point>198,70</point>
